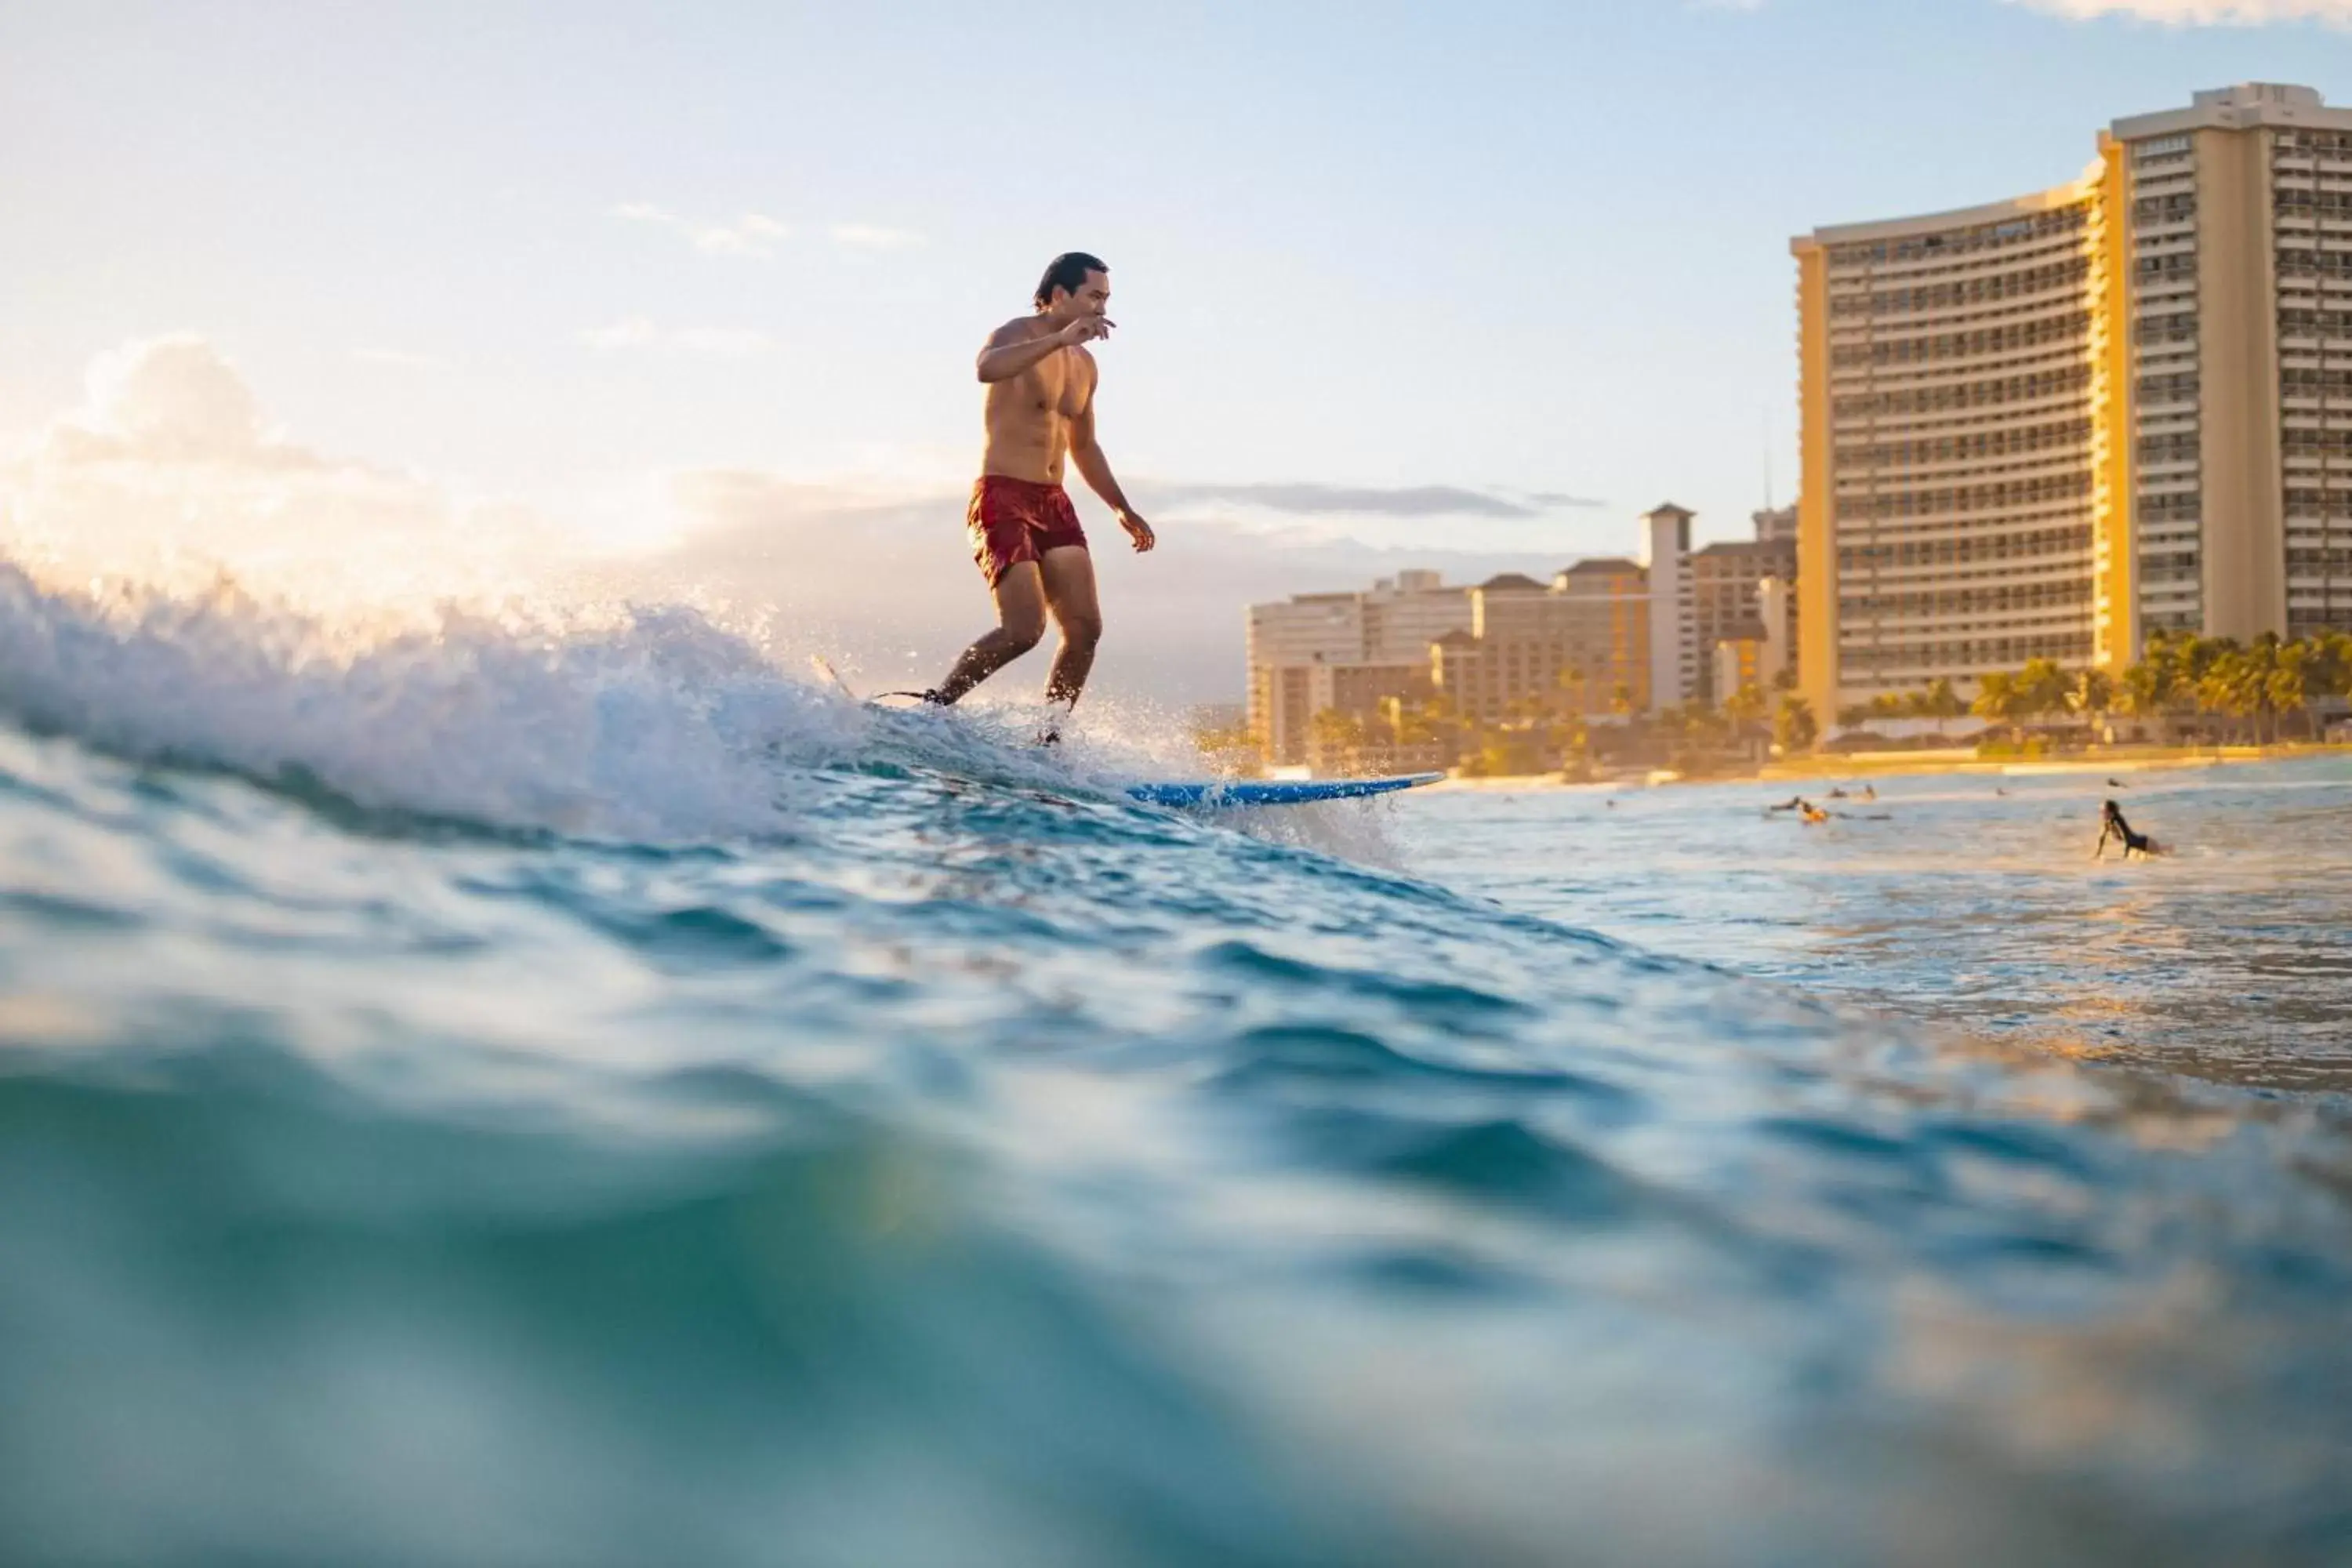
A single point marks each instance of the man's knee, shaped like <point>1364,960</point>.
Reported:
<point>1021,631</point>
<point>1082,631</point>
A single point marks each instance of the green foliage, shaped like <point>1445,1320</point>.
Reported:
<point>1794,728</point>
<point>2185,681</point>
<point>1746,707</point>
<point>2183,687</point>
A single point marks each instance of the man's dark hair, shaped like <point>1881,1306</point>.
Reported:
<point>1067,270</point>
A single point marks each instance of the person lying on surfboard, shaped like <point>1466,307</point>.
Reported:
<point>1026,538</point>
<point>2113,826</point>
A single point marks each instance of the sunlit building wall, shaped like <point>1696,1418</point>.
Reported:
<point>1580,646</point>
<point>1673,631</point>
<point>2241,219</point>
<point>1951,502</point>
<point>2049,427</point>
<point>1728,582</point>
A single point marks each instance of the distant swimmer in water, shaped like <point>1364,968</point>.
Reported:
<point>1814,814</point>
<point>1794,803</point>
<point>1869,792</point>
<point>2113,826</point>
<point>2002,792</point>
<point>2117,783</point>
<point>1837,794</point>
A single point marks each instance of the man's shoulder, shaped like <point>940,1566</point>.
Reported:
<point>1019,330</point>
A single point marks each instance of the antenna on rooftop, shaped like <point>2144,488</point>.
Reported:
<point>1767,457</point>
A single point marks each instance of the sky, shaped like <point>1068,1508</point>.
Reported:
<point>698,284</point>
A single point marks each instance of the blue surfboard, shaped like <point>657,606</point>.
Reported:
<point>1226,794</point>
<point>1214,795</point>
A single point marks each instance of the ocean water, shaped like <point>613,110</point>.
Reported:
<point>535,1094</point>
<point>1974,900</point>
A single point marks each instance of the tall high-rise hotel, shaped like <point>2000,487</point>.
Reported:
<point>2049,427</point>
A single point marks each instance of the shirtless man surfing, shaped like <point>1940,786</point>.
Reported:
<point>1024,533</point>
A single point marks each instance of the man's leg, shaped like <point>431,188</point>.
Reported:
<point>1069,582</point>
<point>1019,622</point>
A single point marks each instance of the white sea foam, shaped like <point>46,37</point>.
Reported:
<point>659,722</point>
<point>619,720</point>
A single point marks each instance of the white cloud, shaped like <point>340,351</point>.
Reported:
<point>169,399</point>
<point>873,237</point>
<point>751,235</point>
<point>399,358</point>
<point>2163,12</point>
<point>169,474</point>
<point>635,332</point>
<point>754,235</point>
<point>2201,12</point>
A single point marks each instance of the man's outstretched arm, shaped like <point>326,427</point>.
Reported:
<point>1095,469</point>
<point>1011,349</point>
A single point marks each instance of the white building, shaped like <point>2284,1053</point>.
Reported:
<point>1674,608</point>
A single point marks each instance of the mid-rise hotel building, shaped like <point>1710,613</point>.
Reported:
<point>2045,428</point>
<point>1603,639</point>
<point>1344,653</point>
<point>1580,645</point>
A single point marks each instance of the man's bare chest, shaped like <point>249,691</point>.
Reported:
<point>1057,385</point>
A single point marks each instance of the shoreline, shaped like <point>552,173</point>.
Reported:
<point>1956,760</point>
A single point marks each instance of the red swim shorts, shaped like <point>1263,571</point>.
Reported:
<point>1012,520</point>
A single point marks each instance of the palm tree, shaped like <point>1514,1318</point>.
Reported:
<point>2334,673</point>
<point>2041,688</point>
<point>2094,693</point>
<point>1941,703</point>
<point>1997,701</point>
<point>1745,707</point>
<point>1793,727</point>
<point>2139,692</point>
<point>2293,666</point>
<point>1572,681</point>
<point>2224,688</point>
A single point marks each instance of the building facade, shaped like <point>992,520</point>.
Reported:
<point>2044,427</point>
<point>1674,675</point>
<point>1338,674</point>
<point>1950,409</point>
<point>2241,321</point>
<point>1578,646</point>
<point>1343,653</point>
<point>1728,584</point>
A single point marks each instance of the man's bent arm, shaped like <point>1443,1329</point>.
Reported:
<point>1002,361</point>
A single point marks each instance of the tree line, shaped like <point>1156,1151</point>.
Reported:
<point>2182,683</point>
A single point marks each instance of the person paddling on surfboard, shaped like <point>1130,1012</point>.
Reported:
<point>1026,538</point>
<point>2113,826</point>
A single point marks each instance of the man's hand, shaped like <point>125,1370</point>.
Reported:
<point>1085,330</point>
<point>1138,531</point>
